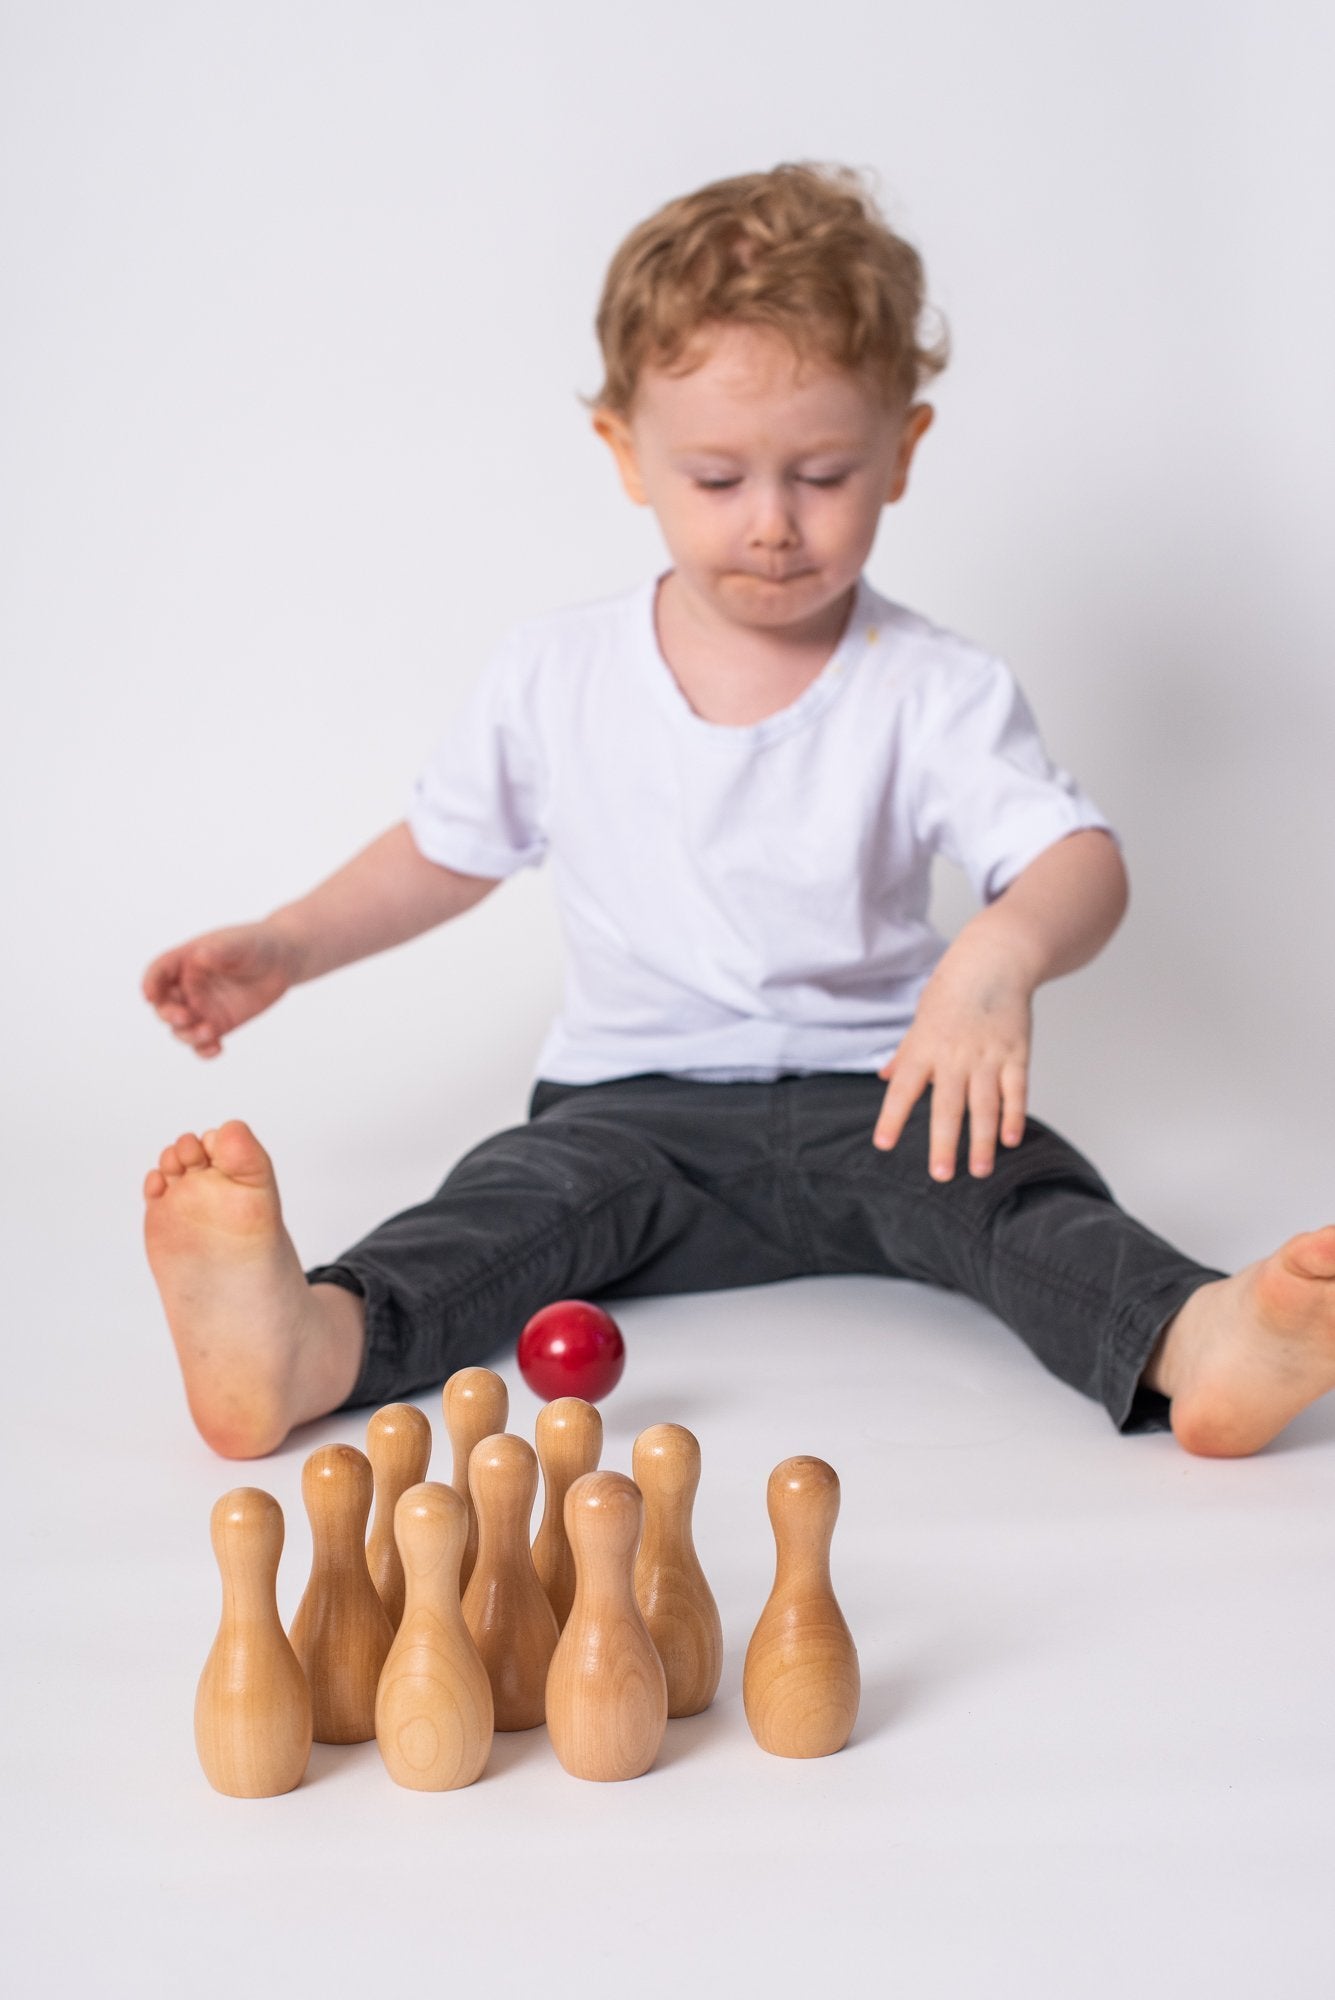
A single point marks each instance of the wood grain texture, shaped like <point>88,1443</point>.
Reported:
<point>398,1444</point>
<point>505,1607</point>
<point>670,1586</point>
<point>606,1691</point>
<point>434,1714</point>
<point>252,1706</point>
<point>800,1684</point>
<point>476,1404</point>
<point>570,1443</point>
<point>341,1633</point>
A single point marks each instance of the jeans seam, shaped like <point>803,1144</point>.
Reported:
<point>783,1166</point>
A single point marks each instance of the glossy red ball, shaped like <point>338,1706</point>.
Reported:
<point>571,1349</point>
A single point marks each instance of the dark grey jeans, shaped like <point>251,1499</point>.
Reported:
<point>656,1184</point>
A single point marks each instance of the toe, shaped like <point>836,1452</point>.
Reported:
<point>189,1151</point>
<point>155,1185</point>
<point>169,1163</point>
<point>239,1154</point>
<point>1312,1255</point>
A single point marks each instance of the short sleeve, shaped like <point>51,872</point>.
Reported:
<point>477,806</point>
<point>988,796</point>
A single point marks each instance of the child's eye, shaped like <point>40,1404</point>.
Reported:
<point>725,485</point>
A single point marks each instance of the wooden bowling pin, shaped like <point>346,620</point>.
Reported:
<point>800,1684</point>
<point>505,1607</point>
<point>253,1707</point>
<point>607,1697</point>
<point>477,1404</point>
<point>341,1632</point>
<point>676,1602</point>
<point>433,1708</point>
<point>570,1443</point>
<point>398,1444</point>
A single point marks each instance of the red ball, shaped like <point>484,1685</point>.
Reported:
<point>571,1349</point>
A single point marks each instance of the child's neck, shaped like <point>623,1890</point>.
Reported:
<point>734,675</point>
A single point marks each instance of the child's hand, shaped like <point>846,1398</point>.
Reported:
<point>970,1041</point>
<point>204,989</point>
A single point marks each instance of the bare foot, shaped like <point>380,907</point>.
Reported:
<point>1245,1354</point>
<point>259,1347</point>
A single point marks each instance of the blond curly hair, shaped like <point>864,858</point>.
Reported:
<point>803,250</point>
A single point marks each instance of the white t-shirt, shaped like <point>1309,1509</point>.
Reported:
<point>741,901</point>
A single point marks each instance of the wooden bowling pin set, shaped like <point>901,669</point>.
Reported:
<point>443,1625</point>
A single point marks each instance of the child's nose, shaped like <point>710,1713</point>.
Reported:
<point>773,525</point>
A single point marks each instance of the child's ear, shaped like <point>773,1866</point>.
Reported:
<point>917,420</point>
<point>616,435</point>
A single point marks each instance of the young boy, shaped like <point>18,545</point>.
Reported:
<point>767,1058</point>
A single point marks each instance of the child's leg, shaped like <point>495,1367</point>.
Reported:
<point>595,1194</point>
<point>1103,1302</point>
<point>657,1185</point>
<point>605,1192</point>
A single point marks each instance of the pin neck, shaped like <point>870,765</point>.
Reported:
<point>808,1567</point>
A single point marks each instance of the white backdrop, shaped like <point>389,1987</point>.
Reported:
<point>298,302</point>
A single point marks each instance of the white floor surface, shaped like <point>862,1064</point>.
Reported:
<point>1094,1755</point>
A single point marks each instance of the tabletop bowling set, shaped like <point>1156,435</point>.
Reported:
<point>444,1625</point>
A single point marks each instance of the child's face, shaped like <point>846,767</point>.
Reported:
<point>767,476</point>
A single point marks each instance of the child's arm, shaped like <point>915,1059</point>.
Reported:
<point>385,895</point>
<point>970,1035</point>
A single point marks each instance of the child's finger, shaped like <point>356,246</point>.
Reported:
<point>904,1092</point>
<point>947,1117</point>
<point>197,1034</point>
<point>1014,1093</point>
<point>201,1038</point>
<point>984,1113</point>
<point>160,979</point>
